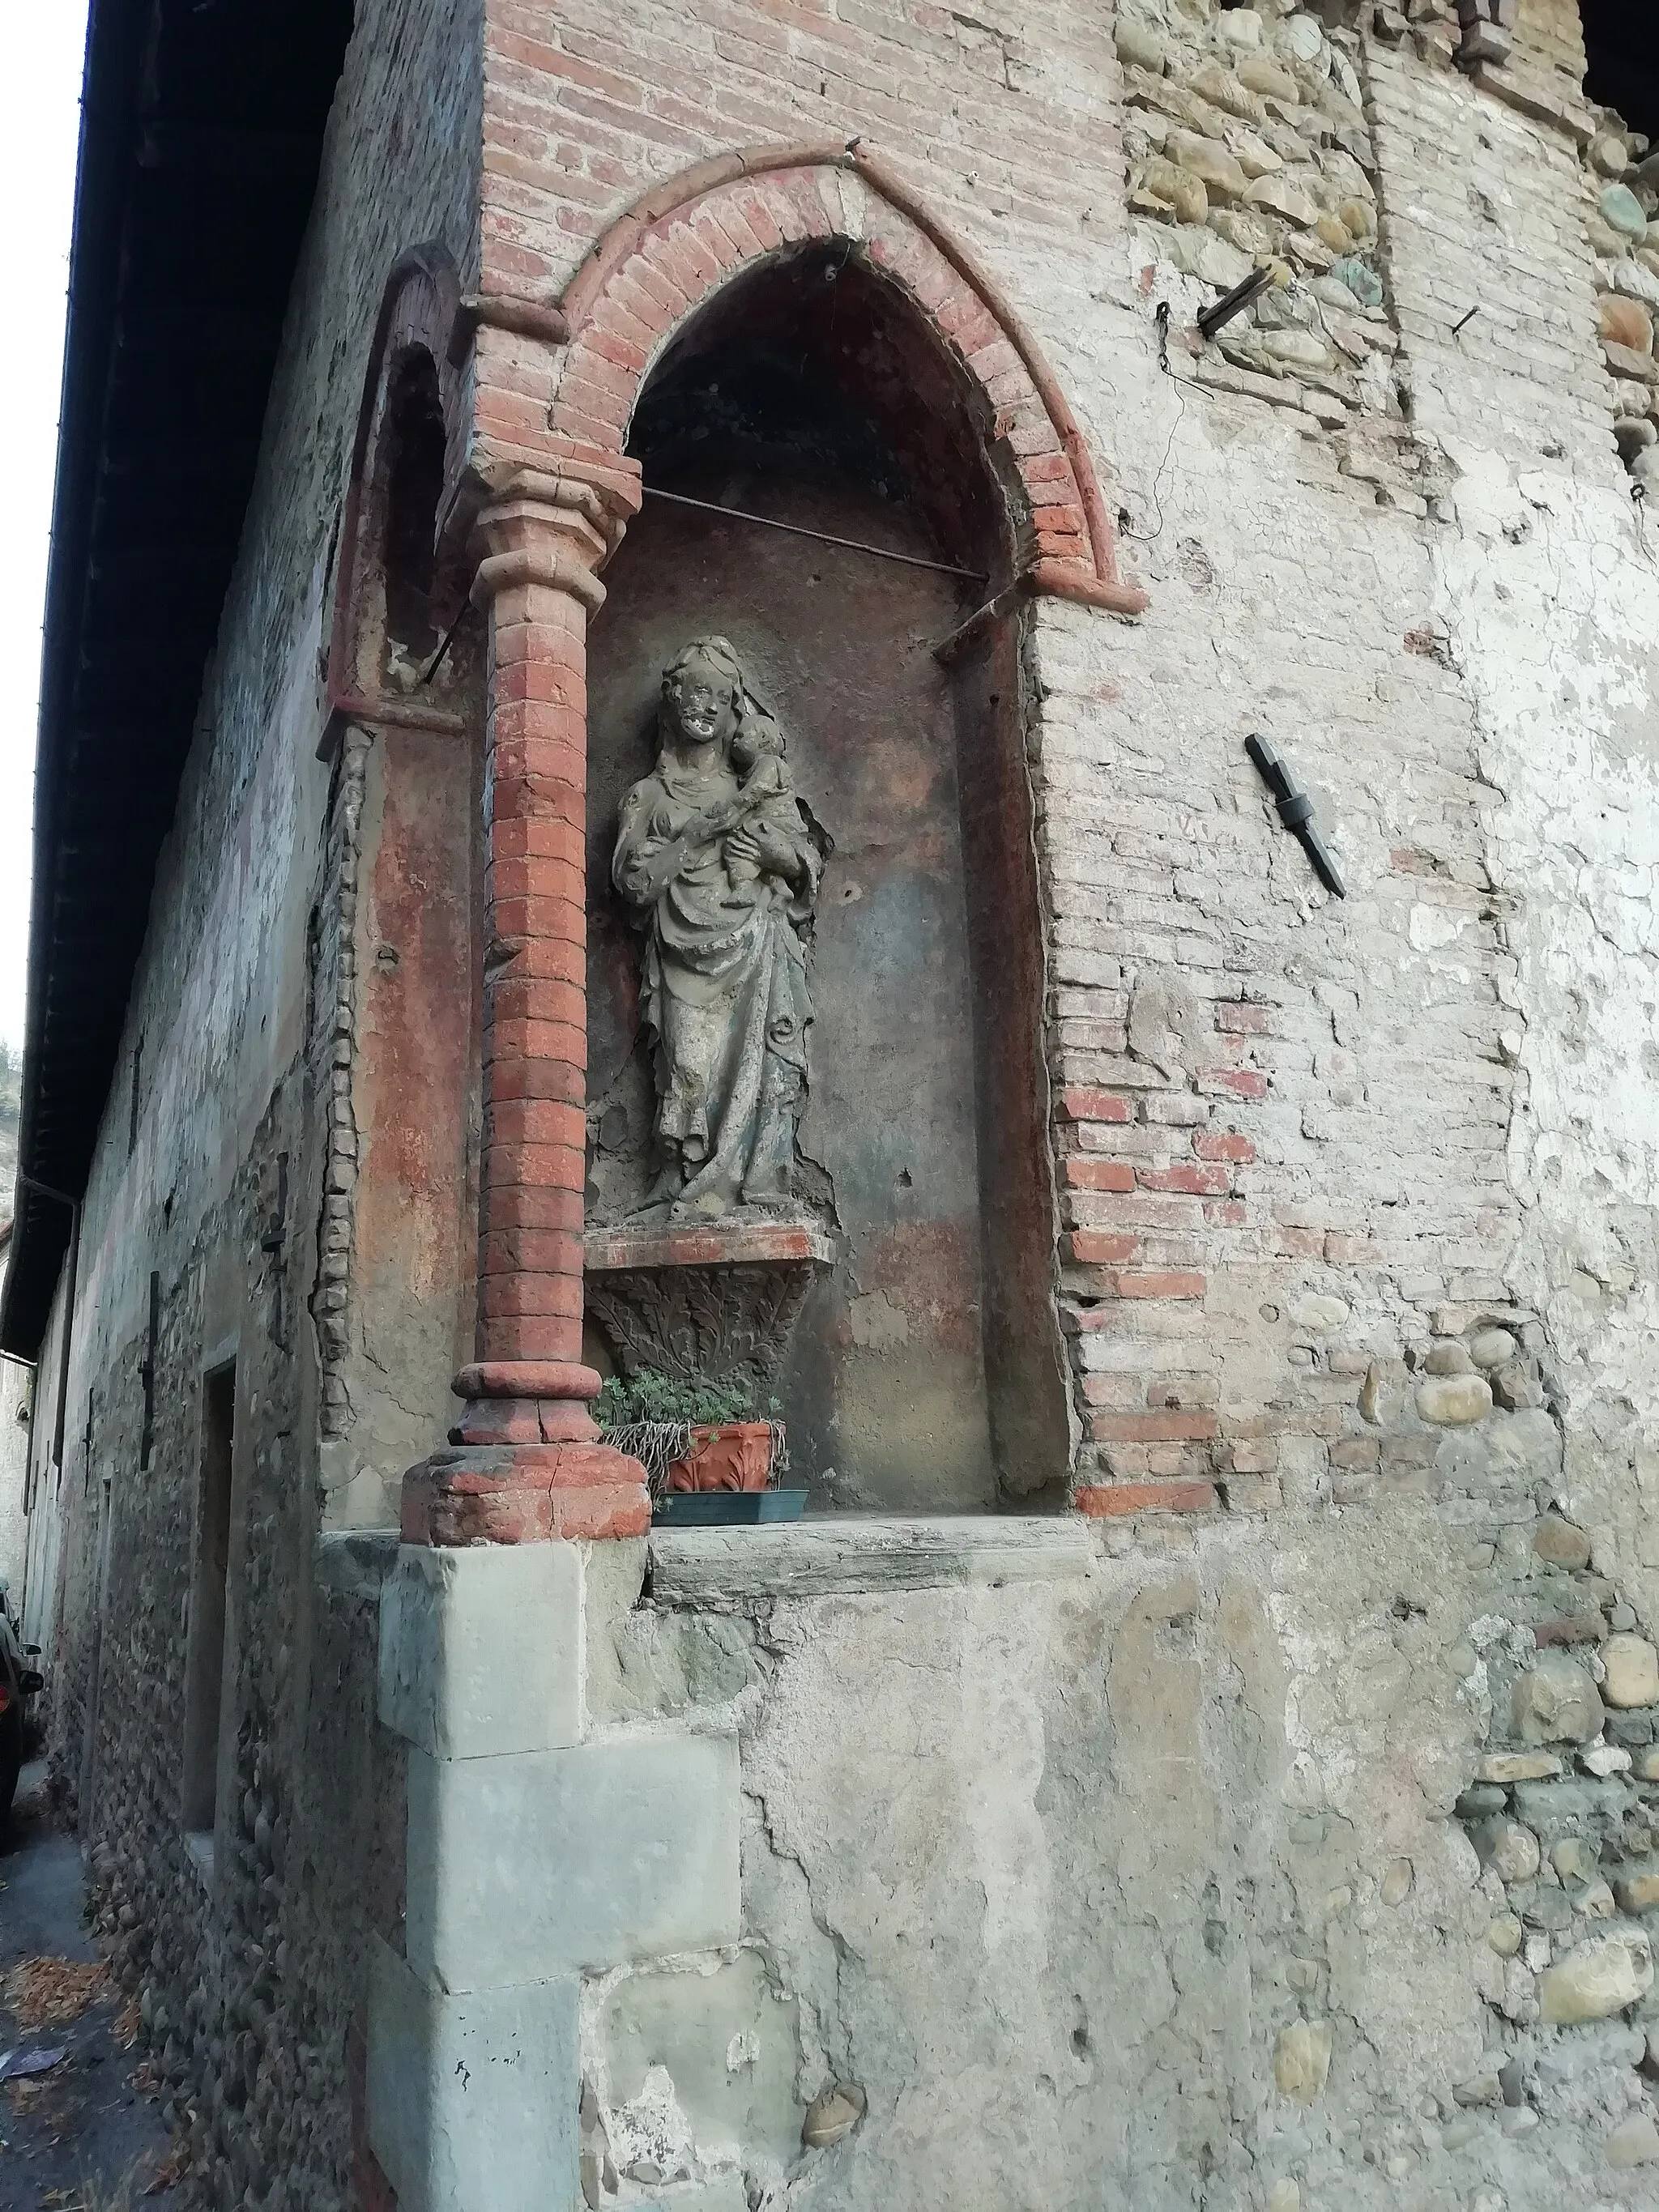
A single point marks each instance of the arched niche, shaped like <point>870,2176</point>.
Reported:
<point>402,574</point>
<point>397,1042</point>
<point>810,388</point>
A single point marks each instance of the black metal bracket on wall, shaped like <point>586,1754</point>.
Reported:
<point>1295,811</point>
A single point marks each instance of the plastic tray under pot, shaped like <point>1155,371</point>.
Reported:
<point>726,1508</point>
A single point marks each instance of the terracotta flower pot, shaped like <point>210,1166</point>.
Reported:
<point>736,1456</point>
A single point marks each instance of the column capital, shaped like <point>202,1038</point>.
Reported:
<point>556,526</point>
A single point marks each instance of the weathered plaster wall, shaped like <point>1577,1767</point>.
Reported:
<point>1156,1880</point>
<point>400,1254</point>
<point>1088,1874</point>
<point>1547,596</point>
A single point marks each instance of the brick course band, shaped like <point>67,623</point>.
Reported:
<point>1110,1501</point>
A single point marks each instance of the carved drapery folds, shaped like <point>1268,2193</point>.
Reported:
<point>719,858</point>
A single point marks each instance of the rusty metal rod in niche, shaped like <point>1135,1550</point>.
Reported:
<point>823,537</point>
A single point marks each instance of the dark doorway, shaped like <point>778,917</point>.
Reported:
<point>205,1664</point>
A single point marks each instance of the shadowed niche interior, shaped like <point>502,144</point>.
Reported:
<point>413,485</point>
<point>925,1371</point>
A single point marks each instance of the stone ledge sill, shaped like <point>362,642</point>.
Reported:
<point>854,1553</point>
<point>717,1245</point>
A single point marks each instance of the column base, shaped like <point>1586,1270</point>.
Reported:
<point>524,1493</point>
<point>526,1401</point>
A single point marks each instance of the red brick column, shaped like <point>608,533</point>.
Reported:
<point>527,1464</point>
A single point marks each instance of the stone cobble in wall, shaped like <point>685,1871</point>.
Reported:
<point>1248,150</point>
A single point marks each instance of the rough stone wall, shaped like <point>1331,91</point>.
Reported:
<point>248,1956</point>
<point>1619,183</point>
<point>1358,1212</point>
<point>1249,149</point>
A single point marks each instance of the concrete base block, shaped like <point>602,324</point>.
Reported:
<point>729,2046</point>
<point>521,1870</point>
<point>474,2101</point>
<point>727,2193</point>
<point>480,1650</point>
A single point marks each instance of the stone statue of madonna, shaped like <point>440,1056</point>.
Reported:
<point>717,852</point>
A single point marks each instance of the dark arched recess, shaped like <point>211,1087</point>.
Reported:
<point>928,1371</point>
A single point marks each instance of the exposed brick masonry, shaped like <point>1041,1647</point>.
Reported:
<point>530,1466</point>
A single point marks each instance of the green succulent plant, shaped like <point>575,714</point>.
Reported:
<point>697,1401</point>
<point>651,1416</point>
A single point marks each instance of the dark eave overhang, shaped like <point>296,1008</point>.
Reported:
<point>1621,39</point>
<point>201,130</point>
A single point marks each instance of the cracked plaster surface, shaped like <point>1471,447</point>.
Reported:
<point>1049,1872</point>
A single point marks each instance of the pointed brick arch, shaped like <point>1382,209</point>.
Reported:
<point>680,244</point>
<point>417,316</point>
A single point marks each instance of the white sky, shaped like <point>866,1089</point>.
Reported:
<point>40,127</point>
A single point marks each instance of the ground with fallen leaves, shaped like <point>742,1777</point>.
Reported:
<point>85,2134</point>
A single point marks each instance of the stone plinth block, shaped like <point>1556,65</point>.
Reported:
<point>539,1864</point>
<point>473,2100</point>
<point>835,1553</point>
<point>480,1649</point>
